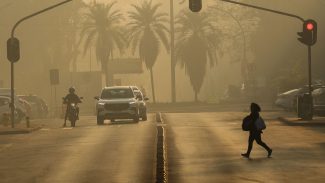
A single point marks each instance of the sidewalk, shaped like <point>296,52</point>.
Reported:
<point>295,121</point>
<point>20,128</point>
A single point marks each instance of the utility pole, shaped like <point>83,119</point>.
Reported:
<point>172,52</point>
<point>13,54</point>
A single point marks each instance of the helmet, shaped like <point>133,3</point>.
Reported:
<point>255,107</point>
<point>72,89</point>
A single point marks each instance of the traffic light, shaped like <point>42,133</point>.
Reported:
<point>13,51</point>
<point>308,36</point>
<point>195,5</point>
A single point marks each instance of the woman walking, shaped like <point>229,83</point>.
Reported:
<point>250,124</point>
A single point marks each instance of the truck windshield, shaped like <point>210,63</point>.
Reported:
<point>117,93</point>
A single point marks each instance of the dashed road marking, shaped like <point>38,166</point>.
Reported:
<point>44,129</point>
<point>67,128</point>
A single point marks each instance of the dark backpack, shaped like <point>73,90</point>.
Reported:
<point>246,123</point>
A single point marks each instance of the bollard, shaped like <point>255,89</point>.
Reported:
<point>5,119</point>
<point>27,122</point>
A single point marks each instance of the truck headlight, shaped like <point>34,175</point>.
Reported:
<point>100,104</point>
<point>132,104</point>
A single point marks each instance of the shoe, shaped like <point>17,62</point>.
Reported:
<point>245,155</point>
<point>269,152</point>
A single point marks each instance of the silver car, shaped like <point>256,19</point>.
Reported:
<point>142,104</point>
<point>118,102</point>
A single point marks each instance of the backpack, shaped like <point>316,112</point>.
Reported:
<point>246,123</point>
<point>260,124</point>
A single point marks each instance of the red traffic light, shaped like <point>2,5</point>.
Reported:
<point>310,26</point>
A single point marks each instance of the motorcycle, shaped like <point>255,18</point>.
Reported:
<point>73,113</point>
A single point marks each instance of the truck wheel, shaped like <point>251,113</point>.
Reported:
<point>144,117</point>
<point>100,120</point>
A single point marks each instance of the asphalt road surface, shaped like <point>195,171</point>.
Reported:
<point>206,147</point>
<point>119,152</point>
<point>201,148</point>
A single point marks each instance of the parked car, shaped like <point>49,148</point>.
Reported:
<point>286,100</point>
<point>319,100</point>
<point>142,106</point>
<point>20,107</point>
<point>5,110</point>
<point>118,102</point>
<point>39,108</point>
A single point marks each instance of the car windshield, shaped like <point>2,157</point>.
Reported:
<point>117,93</point>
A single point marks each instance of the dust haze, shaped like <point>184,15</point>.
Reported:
<point>224,53</point>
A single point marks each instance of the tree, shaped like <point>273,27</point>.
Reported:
<point>196,44</point>
<point>102,25</point>
<point>238,26</point>
<point>146,32</point>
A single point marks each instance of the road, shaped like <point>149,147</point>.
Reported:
<point>206,147</point>
<point>201,147</point>
<point>120,152</point>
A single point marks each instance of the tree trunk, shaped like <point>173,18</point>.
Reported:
<point>172,53</point>
<point>109,78</point>
<point>152,87</point>
<point>196,98</point>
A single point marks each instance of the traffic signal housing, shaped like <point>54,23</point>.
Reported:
<point>195,5</point>
<point>308,36</point>
<point>13,50</point>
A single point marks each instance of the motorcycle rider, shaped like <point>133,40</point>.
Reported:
<point>72,97</point>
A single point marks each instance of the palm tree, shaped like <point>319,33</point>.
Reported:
<point>196,44</point>
<point>102,25</point>
<point>146,32</point>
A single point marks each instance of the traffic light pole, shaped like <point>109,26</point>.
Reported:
<point>309,46</point>
<point>309,70</point>
<point>12,105</point>
<point>266,9</point>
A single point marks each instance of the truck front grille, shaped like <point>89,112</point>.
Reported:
<point>116,107</point>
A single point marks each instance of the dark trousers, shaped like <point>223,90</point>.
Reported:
<point>257,137</point>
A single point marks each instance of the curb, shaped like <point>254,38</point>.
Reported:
<point>282,119</point>
<point>161,170</point>
<point>19,131</point>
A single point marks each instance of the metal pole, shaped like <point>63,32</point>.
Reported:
<point>90,59</point>
<point>55,103</point>
<point>265,9</point>
<point>172,52</point>
<point>12,106</point>
<point>34,14</point>
<point>309,70</point>
<point>311,103</point>
<point>12,64</point>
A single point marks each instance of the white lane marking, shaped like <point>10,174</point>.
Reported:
<point>67,128</point>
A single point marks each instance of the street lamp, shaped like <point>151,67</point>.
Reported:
<point>13,54</point>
